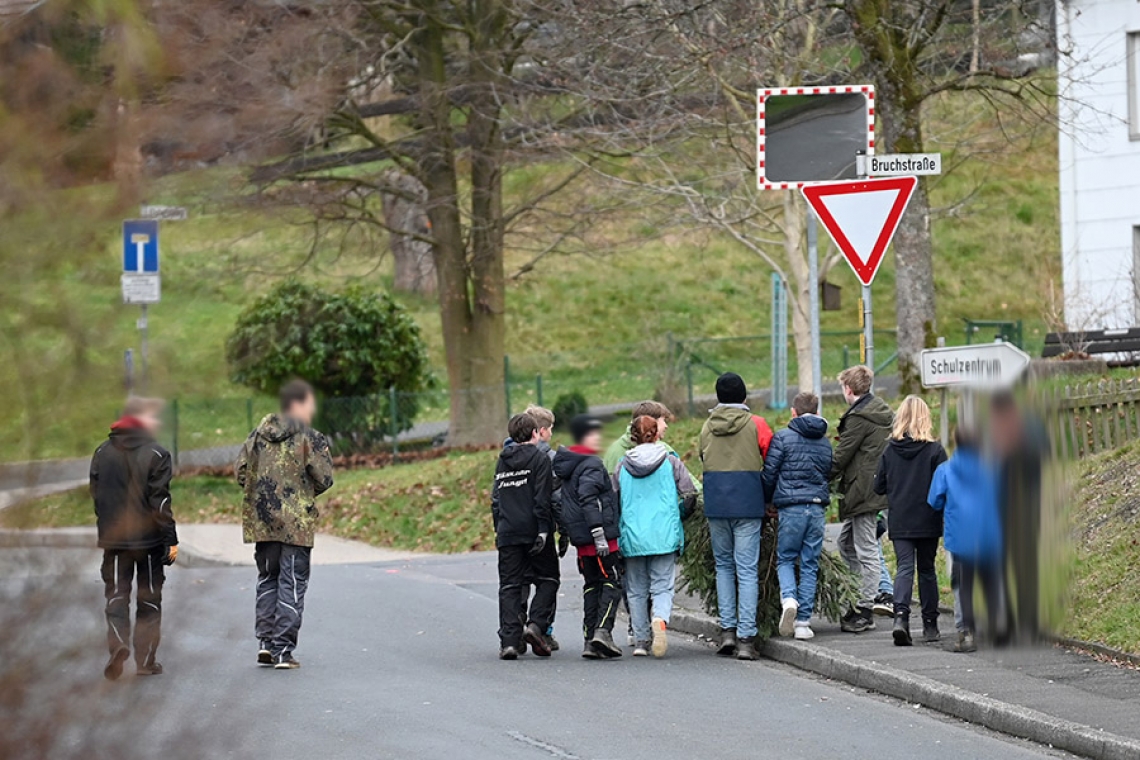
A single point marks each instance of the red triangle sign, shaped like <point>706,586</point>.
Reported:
<point>861,217</point>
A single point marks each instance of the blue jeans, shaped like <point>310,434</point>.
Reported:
<point>886,586</point>
<point>800,536</point>
<point>736,549</point>
<point>655,577</point>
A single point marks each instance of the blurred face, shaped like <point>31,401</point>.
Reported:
<point>151,421</point>
<point>662,426</point>
<point>544,434</point>
<point>304,410</point>
<point>593,440</point>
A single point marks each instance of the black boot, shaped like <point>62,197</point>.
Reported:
<point>603,644</point>
<point>930,632</point>
<point>746,649</point>
<point>901,631</point>
<point>589,653</point>
<point>727,645</point>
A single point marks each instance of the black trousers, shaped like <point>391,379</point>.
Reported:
<point>601,593</point>
<point>920,552</point>
<point>990,574</point>
<point>119,570</point>
<point>516,566</point>
<point>282,580</point>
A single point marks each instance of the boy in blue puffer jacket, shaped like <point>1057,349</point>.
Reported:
<point>965,489</point>
<point>796,474</point>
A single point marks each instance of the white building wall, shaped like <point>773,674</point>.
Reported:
<point>1099,163</point>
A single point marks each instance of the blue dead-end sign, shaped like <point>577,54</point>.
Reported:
<point>140,246</point>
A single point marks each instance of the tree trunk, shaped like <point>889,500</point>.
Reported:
<point>914,248</point>
<point>800,286</point>
<point>404,212</point>
<point>470,292</point>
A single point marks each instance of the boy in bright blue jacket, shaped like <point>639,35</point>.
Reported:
<point>966,490</point>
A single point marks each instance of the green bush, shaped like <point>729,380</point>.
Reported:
<point>567,407</point>
<point>351,346</point>
<point>836,592</point>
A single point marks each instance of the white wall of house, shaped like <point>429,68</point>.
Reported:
<point>1099,111</point>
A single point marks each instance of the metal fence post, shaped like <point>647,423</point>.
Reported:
<point>249,413</point>
<point>846,357</point>
<point>538,387</point>
<point>394,420</point>
<point>507,382</point>
<point>689,381</point>
<point>174,431</point>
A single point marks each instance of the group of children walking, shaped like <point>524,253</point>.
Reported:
<point>624,514</point>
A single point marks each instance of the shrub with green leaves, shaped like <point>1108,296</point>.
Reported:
<point>567,407</point>
<point>351,346</point>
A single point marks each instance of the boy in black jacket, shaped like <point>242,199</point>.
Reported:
<point>590,518</point>
<point>130,484</point>
<point>524,527</point>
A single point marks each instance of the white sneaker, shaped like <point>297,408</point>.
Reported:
<point>804,631</point>
<point>660,638</point>
<point>641,649</point>
<point>788,616</point>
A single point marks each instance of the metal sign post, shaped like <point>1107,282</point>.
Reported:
<point>867,322</point>
<point>779,398</point>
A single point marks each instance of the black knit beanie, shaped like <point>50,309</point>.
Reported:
<point>730,389</point>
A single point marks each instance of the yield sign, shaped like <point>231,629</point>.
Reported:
<point>861,217</point>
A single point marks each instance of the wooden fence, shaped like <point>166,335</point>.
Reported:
<point>1094,417</point>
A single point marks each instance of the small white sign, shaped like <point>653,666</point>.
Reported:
<point>141,288</point>
<point>165,213</point>
<point>983,366</point>
<point>904,164</point>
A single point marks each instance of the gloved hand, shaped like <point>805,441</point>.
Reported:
<point>600,543</point>
<point>539,544</point>
<point>172,555</point>
<point>563,544</point>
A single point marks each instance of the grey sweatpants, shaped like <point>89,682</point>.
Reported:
<point>282,580</point>
<point>859,548</point>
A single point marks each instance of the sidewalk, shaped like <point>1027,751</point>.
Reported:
<point>210,545</point>
<point>1049,695</point>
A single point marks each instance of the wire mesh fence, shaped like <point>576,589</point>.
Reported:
<point>208,433</point>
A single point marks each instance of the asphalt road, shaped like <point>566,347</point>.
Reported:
<point>399,661</point>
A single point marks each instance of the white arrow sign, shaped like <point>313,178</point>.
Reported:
<point>984,366</point>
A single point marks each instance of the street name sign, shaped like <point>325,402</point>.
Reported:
<point>166,213</point>
<point>985,366</point>
<point>861,217</point>
<point>904,164</point>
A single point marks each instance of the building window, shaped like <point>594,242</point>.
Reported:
<point>1134,85</point>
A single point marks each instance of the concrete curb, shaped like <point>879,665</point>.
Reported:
<point>84,538</point>
<point>951,700</point>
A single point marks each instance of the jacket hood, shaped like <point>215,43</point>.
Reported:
<point>129,436</point>
<point>728,419</point>
<point>907,447</point>
<point>644,459</point>
<point>517,454</point>
<point>278,427</point>
<point>872,408</point>
<point>809,425</point>
<point>566,461</point>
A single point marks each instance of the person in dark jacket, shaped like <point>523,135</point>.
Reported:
<point>524,535</point>
<point>796,474</point>
<point>862,436</point>
<point>906,470</point>
<point>130,485</point>
<point>733,445</point>
<point>283,467</point>
<point>590,520</point>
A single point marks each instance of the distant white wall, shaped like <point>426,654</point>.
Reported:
<point>1099,163</point>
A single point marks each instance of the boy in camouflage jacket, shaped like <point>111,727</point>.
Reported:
<point>283,466</point>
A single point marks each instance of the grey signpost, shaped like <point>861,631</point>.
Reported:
<point>141,281</point>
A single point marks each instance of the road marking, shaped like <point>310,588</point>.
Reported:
<point>550,749</point>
